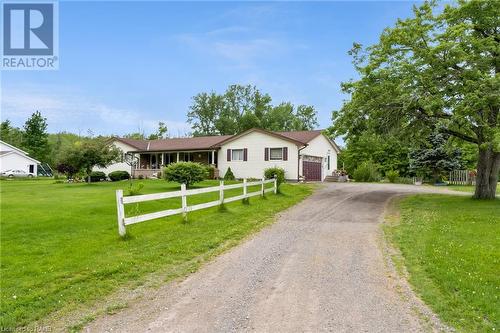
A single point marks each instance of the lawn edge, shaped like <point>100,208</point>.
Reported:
<point>75,320</point>
<point>396,267</point>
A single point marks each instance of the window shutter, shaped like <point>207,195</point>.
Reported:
<point>229,155</point>
<point>266,154</point>
<point>285,153</point>
<point>245,154</point>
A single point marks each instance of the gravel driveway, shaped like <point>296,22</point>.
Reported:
<point>319,268</point>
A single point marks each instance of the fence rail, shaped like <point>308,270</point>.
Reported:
<point>121,201</point>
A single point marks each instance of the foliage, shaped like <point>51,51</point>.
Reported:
<point>69,170</point>
<point>11,135</point>
<point>97,176</point>
<point>89,153</point>
<point>433,70</point>
<point>118,175</point>
<point>161,133</point>
<point>450,249</point>
<point>59,143</point>
<point>240,108</point>
<point>388,152</point>
<point>210,172</point>
<point>80,242</point>
<point>35,136</point>
<point>185,173</point>
<point>135,189</point>
<point>367,172</point>
<point>392,176</point>
<point>229,174</point>
<point>279,173</point>
<point>435,157</point>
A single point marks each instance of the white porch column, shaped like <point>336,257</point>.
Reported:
<point>213,157</point>
<point>177,157</point>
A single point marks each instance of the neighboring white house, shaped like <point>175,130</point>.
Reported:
<point>308,154</point>
<point>12,158</point>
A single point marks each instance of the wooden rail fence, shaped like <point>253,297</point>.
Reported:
<point>123,221</point>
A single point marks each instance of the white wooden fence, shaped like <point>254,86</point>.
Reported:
<point>462,177</point>
<point>123,221</point>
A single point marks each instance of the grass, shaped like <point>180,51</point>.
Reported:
<point>60,246</point>
<point>467,188</point>
<point>450,247</point>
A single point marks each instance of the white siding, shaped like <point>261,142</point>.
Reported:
<point>254,167</point>
<point>17,161</point>
<point>321,147</point>
<point>120,166</point>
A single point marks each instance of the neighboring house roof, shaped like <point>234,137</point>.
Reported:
<point>14,148</point>
<point>18,152</point>
<point>300,138</point>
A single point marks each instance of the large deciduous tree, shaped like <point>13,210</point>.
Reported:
<point>434,70</point>
<point>240,108</point>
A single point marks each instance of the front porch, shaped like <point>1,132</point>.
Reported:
<point>151,163</point>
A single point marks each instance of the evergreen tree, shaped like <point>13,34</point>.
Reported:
<point>35,137</point>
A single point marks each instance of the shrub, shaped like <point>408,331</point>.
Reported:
<point>185,172</point>
<point>118,175</point>
<point>135,189</point>
<point>279,173</point>
<point>229,174</point>
<point>97,176</point>
<point>210,172</point>
<point>140,177</point>
<point>392,176</point>
<point>366,172</point>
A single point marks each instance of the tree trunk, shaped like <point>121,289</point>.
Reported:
<point>488,166</point>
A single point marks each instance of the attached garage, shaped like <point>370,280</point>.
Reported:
<point>312,168</point>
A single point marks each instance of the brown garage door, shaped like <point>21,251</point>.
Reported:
<point>311,170</point>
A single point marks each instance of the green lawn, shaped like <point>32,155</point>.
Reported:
<point>60,246</point>
<point>451,249</point>
<point>470,188</point>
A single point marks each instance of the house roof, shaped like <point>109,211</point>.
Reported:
<point>14,148</point>
<point>18,152</point>
<point>300,138</point>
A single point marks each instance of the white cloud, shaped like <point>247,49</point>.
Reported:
<point>70,111</point>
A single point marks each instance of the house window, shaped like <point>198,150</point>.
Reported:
<point>237,154</point>
<point>328,162</point>
<point>276,154</point>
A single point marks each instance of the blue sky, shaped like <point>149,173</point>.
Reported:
<point>127,65</point>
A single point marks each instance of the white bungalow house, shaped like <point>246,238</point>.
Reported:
<point>12,158</point>
<point>308,154</point>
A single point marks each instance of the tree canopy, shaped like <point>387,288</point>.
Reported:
<point>240,108</point>
<point>433,71</point>
<point>35,137</point>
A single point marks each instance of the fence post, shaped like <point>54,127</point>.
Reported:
<point>121,213</point>
<point>275,184</point>
<point>245,192</point>
<point>184,202</point>
<point>221,192</point>
<point>262,187</point>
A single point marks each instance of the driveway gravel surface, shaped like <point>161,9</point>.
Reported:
<point>319,268</point>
